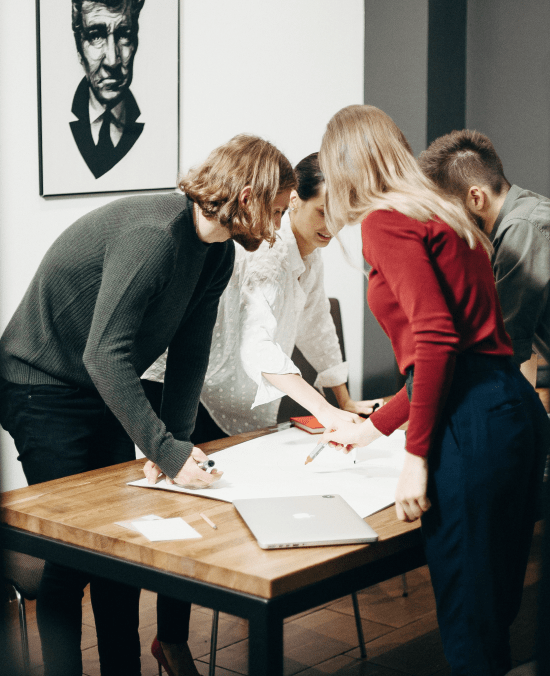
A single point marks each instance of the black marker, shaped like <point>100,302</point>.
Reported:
<point>367,415</point>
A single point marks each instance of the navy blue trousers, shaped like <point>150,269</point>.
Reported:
<point>60,431</point>
<point>485,476</point>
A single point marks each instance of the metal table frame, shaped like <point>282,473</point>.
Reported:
<point>265,616</point>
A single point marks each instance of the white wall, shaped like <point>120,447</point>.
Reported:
<point>279,70</point>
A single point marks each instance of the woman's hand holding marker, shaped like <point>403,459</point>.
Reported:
<point>349,435</point>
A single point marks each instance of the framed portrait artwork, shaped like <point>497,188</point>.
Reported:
<point>108,95</point>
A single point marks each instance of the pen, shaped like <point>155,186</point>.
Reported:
<point>280,427</point>
<point>208,521</point>
<point>315,452</point>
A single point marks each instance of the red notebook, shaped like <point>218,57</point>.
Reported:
<point>309,423</point>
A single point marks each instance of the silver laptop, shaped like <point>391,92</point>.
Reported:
<point>303,521</point>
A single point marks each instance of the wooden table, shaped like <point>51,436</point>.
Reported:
<point>71,521</point>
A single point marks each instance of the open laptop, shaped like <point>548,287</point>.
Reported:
<point>303,521</point>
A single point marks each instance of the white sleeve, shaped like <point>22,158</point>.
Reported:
<point>262,299</point>
<point>259,350</point>
<point>317,338</point>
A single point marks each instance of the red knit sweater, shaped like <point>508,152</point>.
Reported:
<point>434,297</point>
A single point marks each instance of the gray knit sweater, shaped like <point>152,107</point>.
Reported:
<point>116,289</point>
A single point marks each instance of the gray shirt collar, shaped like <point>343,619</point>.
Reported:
<point>508,205</point>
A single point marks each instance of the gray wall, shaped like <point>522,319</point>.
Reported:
<point>415,54</point>
<point>508,85</point>
<point>396,56</point>
<point>396,35</point>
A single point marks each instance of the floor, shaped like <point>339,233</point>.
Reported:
<point>401,634</point>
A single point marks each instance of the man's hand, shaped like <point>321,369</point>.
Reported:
<point>411,500</point>
<point>189,476</point>
<point>152,472</point>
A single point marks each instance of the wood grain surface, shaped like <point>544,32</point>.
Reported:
<point>82,510</point>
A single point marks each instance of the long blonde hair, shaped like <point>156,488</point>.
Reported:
<point>368,165</point>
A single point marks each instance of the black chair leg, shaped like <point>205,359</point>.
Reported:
<point>359,626</point>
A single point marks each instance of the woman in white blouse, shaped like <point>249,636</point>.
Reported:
<point>274,301</point>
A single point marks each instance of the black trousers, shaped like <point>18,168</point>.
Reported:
<point>485,479</point>
<point>60,431</point>
<point>173,615</point>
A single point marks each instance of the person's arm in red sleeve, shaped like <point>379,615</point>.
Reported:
<point>396,247</point>
<point>393,414</point>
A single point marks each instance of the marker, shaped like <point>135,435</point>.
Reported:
<point>315,452</point>
<point>368,415</point>
<point>207,465</point>
<point>208,521</point>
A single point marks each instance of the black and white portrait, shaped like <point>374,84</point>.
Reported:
<point>108,95</point>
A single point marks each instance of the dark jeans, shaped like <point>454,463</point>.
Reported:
<point>60,431</point>
<point>485,476</point>
<point>173,615</point>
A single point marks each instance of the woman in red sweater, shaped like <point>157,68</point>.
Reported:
<point>477,431</point>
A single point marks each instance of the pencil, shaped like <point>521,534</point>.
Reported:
<point>208,521</point>
<point>315,452</point>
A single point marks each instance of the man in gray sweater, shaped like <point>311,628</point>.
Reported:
<point>466,165</point>
<point>115,290</point>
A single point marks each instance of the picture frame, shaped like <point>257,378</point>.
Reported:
<point>108,96</point>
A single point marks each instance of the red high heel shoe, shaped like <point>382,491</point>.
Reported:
<point>158,654</point>
<point>186,664</point>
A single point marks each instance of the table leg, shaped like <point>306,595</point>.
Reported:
<point>265,649</point>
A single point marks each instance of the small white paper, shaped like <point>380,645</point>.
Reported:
<point>166,529</point>
<point>129,526</point>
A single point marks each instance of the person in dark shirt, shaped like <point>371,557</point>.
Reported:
<point>477,432</point>
<point>115,290</point>
<point>465,165</point>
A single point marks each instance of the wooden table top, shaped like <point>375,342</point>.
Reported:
<point>82,510</point>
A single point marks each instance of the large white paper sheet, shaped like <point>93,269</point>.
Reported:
<point>273,466</point>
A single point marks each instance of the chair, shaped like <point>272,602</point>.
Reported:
<point>24,574</point>
<point>214,635</point>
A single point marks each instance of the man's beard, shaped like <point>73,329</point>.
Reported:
<point>247,240</point>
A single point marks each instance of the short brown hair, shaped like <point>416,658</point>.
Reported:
<point>457,161</point>
<point>216,184</point>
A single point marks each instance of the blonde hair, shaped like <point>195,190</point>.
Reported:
<point>368,165</point>
<point>216,184</point>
